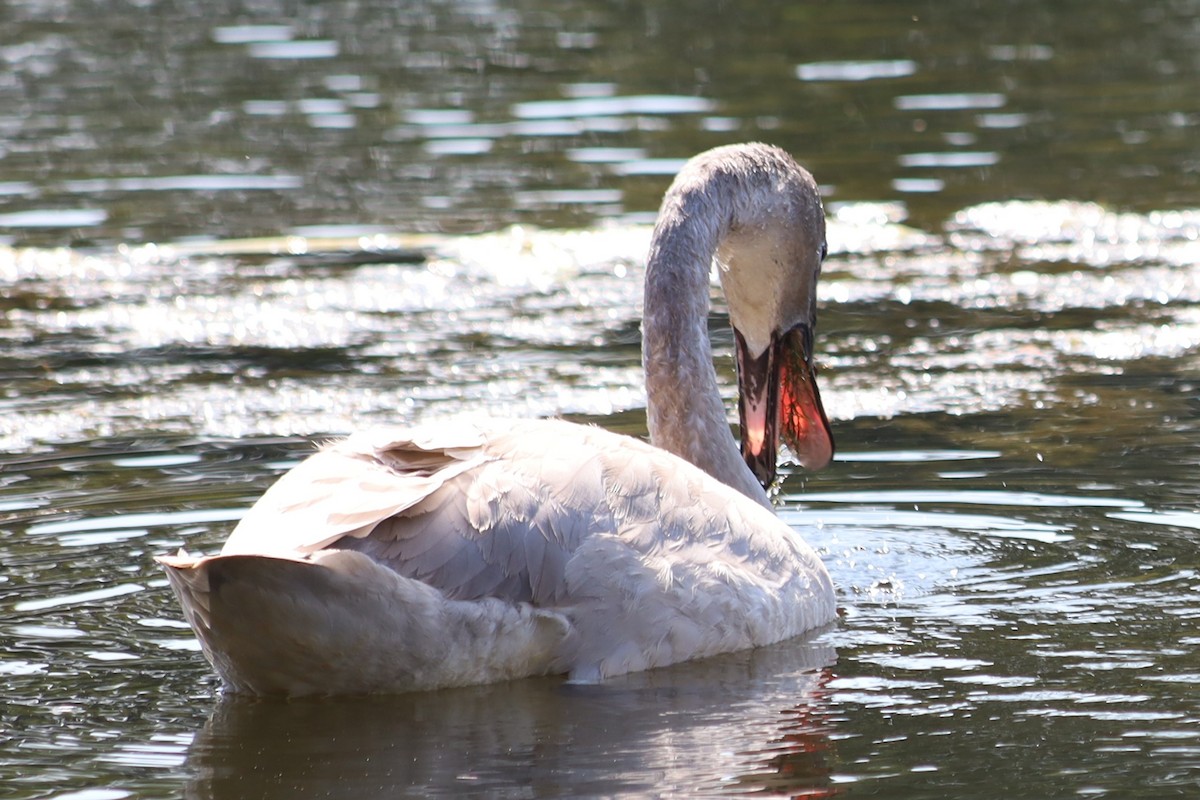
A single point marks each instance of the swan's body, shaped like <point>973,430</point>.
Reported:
<point>442,556</point>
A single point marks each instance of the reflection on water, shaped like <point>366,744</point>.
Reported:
<point>1009,334</point>
<point>755,721</point>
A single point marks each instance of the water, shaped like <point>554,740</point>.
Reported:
<point>228,233</point>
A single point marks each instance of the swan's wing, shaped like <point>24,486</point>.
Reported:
<point>507,526</point>
<point>473,513</point>
<point>347,488</point>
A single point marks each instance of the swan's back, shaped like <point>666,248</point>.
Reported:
<point>605,553</point>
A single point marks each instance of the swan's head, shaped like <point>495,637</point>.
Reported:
<point>769,257</point>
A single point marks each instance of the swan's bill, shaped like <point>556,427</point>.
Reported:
<point>778,398</point>
<point>802,421</point>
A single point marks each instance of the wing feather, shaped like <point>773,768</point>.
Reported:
<point>345,490</point>
<point>497,517</point>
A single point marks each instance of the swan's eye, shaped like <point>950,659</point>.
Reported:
<point>824,250</point>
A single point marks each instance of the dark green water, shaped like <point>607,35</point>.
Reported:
<point>1010,338</point>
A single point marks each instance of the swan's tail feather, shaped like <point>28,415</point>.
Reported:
<point>339,623</point>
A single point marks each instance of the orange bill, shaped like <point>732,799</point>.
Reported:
<point>778,398</point>
<point>802,421</point>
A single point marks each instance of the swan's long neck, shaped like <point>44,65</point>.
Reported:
<point>685,413</point>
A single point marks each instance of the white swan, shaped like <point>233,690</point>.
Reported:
<point>440,556</point>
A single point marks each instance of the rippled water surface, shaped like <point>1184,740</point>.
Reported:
<point>229,232</point>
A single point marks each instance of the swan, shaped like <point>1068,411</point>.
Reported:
<point>447,555</point>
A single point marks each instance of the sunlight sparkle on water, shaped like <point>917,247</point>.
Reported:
<point>855,70</point>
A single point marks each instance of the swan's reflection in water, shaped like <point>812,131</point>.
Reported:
<point>758,719</point>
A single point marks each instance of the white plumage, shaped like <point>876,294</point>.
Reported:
<point>437,556</point>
